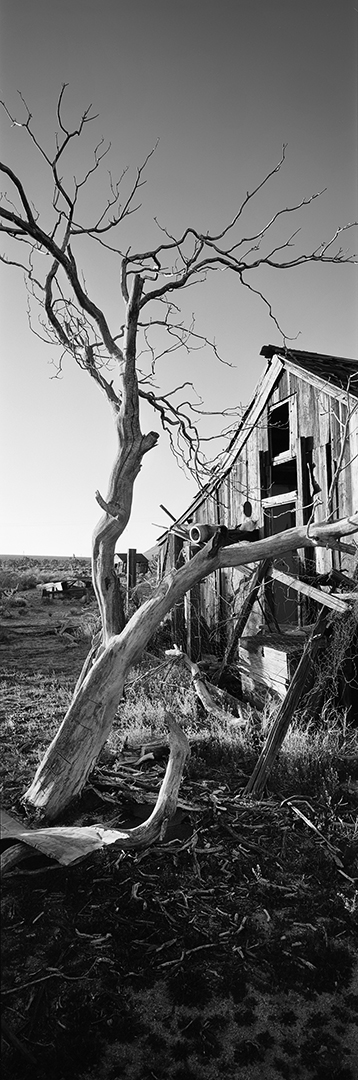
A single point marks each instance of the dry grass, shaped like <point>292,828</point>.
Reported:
<point>201,956</point>
<point>25,572</point>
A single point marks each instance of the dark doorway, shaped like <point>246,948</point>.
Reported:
<point>284,602</point>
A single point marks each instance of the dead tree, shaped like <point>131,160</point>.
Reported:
<point>151,283</point>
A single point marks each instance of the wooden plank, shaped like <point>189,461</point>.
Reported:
<point>280,500</point>
<point>265,668</point>
<point>337,577</point>
<point>177,612</point>
<point>344,485</point>
<point>262,393</point>
<point>163,556</point>
<point>247,606</point>
<point>349,596</point>
<point>328,599</point>
<point>274,663</point>
<point>308,408</point>
<point>323,557</point>
<point>353,448</point>
<point>251,482</point>
<point>293,422</point>
<point>258,779</point>
<point>323,433</point>
<point>316,381</point>
<point>192,614</point>
<point>170,515</point>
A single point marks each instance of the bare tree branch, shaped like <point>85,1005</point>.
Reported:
<point>80,326</point>
<point>149,329</point>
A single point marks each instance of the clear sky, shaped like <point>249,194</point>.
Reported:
<point>222,84</point>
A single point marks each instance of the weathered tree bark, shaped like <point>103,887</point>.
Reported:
<point>132,446</point>
<point>86,726</point>
<point>71,843</point>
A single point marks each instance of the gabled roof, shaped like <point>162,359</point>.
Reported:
<point>139,557</point>
<point>335,372</point>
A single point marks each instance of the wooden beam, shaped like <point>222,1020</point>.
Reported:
<point>279,500</point>
<point>247,606</point>
<point>352,596</point>
<point>346,549</point>
<point>258,779</point>
<point>177,612</point>
<point>167,512</point>
<point>322,385</point>
<point>338,577</point>
<point>252,415</point>
<point>328,599</point>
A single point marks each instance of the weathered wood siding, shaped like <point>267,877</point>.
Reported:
<point>320,421</point>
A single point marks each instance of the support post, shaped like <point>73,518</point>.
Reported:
<point>131,572</point>
<point>177,613</point>
<point>192,616</point>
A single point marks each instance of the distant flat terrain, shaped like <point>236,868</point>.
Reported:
<point>36,634</point>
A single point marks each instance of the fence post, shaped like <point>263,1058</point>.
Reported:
<point>131,573</point>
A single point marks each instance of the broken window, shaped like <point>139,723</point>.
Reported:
<point>279,429</point>
<point>283,477</point>
<point>282,429</point>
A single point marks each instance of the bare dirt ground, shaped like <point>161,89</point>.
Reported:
<point>44,635</point>
<point>228,949</point>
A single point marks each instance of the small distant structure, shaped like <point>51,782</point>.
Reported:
<point>122,559</point>
<point>71,589</point>
<point>51,589</point>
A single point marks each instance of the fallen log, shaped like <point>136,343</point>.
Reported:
<point>68,844</point>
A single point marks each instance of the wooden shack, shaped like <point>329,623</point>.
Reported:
<point>293,459</point>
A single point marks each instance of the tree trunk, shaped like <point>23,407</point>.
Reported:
<point>86,726</point>
<point>69,843</point>
<point>132,446</point>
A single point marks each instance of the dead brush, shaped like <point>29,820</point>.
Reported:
<point>88,625</point>
<point>335,667</point>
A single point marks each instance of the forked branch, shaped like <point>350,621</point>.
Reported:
<point>165,270</point>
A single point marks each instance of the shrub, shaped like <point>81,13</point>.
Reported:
<point>28,581</point>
